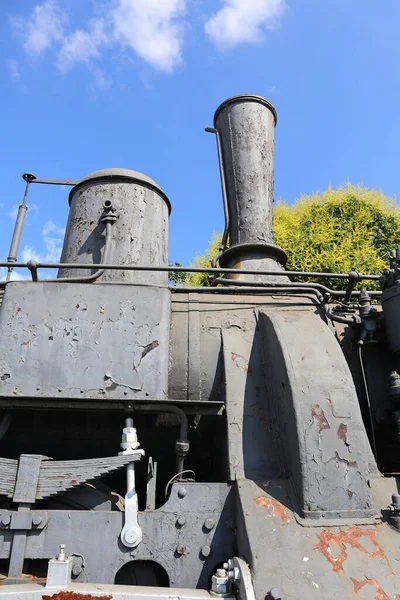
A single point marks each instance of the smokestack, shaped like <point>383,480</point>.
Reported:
<point>117,216</point>
<point>245,126</point>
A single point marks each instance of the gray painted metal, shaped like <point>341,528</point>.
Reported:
<point>106,592</point>
<point>35,478</point>
<point>246,128</point>
<point>325,561</point>
<point>297,494</point>
<point>98,341</point>
<point>139,235</point>
<point>281,416</point>
<point>390,305</point>
<point>27,478</point>
<point>85,532</point>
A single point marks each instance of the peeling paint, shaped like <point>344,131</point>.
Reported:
<point>278,510</point>
<point>352,538</point>
<point>318,414</point>
<point>380,594</point>
<point>239,360</point>
<point>150,347</point>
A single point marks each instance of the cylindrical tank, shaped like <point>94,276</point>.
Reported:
<point>139,235</point>
<point>391,308</point>
<point>245,125</point>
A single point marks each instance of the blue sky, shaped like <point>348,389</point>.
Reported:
<point>132,83</point>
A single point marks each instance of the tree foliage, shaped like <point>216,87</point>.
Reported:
<point>350,228</point>
<point>338,230</point>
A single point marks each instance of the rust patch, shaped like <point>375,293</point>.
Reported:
<point>318,414</point>
<point>351,537</point>
<point>77,306</point>
<point>235,357</point>
<point>380,594</point>
<point>342,432</point>
<point>278,510</point>
<point>18,309</point>
<point>75,596</point>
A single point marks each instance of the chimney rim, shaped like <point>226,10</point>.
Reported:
<point>246,98</point>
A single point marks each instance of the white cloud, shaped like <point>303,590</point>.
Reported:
<point>243,21</point>
<point>14,210</point>
<point>43,27</point>
<point>82,46</point>
<point>13,69</point>
<point>15,275</point>
<point>52,241</point>
<point>152,28</point>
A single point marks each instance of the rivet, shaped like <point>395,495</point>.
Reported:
<point>181,521</point>
<point>206,551</point>
<point>275,594</point>
<point>180,550</point>
<point>209,524</point>
<point>182,492</point>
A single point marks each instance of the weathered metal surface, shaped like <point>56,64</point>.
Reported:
<point>139,236</point>
<point>257,257</point>
<point>82,591</point>
<point>84,532</point>
<point>84,341</point>
<point>246,126</point>
<point>48,478</point>
<point>196,324</point>
<point>350,561</point>
<point>27,478</point>
<point>252,443</point>
<point>327,451</point>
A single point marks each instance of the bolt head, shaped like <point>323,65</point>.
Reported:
<point>209,524</point>
<point>206,551</point>
<point>36,520</point>
<point>220,585</point>
<point>181,521</point>
<point>182,492</point>
<point>76,570</point>
<point>275,594</point>
<point>180,550</point>
<point>5,519</point>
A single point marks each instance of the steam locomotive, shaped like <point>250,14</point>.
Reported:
<point>162,442</point>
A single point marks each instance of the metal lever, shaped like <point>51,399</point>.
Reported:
<point>131,534</point>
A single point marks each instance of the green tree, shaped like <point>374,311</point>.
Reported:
<point>338,230</point>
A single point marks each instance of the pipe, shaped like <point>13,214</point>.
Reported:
<point>272,284</point>
<point>115,267</point>
<point>182,444</point>
<point>19,225</point>
<point>355,320</point>
<point>368,401</point>
<point>225,234</point>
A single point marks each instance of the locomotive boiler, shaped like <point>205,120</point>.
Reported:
<point>166,442</point>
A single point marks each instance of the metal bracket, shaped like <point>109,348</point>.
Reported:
<point>18,520</point>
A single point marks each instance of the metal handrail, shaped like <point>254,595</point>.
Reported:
<point>114,267</point>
